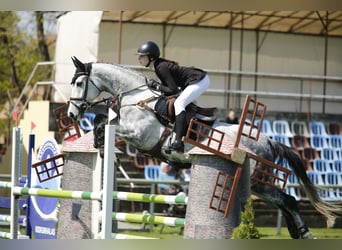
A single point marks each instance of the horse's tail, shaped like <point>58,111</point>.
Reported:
<point>329,210</point>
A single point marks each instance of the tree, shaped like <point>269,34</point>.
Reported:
<point>246,229</point>
<point>20,50</point>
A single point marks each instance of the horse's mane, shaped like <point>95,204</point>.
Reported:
<point>126,68</point>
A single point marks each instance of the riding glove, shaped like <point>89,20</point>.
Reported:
<point>153,84</point>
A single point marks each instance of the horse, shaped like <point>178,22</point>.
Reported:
<point>137,124</point>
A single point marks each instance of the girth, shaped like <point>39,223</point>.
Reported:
<point>156,150</point>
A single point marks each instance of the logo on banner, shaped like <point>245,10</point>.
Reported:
<point>43,214</point>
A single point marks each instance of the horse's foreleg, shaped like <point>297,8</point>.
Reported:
<point>288,205</point>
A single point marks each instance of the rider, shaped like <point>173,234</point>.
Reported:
<point>190,82</point>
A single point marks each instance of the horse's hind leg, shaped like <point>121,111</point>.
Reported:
<point>288,205</point>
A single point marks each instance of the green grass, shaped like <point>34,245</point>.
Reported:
<point>266,232</point>
<point>319,233</point>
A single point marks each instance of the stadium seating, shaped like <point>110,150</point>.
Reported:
<point>329,154</point>
<point>319,142</point>
<point>299,142</point>
<point>334,128</point>
<point>322,166</point>
<point>333,178</point>
<point>266,128</point>
<point>338,153</point>
<point>282,139</point>
<point>337,166</point>
<point>317,179</point>
<point>320,148</point>
<point>300,128</point>
<point>318,128</point>
<point>335,141</point>
<point>152,172</point>
<point>282,127</point>
<point>293,191</point>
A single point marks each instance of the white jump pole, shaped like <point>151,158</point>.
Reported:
<point>108,173</point>
<point>16,173</point>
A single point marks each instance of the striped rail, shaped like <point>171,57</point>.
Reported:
<point>7,218</point>
<point>5,184</point>
<point>85,195</point>
<point>148,218</point>
<point>162,199</point>
<point>127,236</point>
<point>66,194</point>
<point>5,235</point>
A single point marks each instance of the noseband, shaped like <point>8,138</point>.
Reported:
<point>84,102</point>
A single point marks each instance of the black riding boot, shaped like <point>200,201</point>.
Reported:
<point>180,129</point>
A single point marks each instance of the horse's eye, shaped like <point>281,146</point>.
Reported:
<point>79,84</point>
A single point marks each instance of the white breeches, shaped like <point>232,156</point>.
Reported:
<point>191,93</point>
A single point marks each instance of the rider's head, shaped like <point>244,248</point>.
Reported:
<point>148,52</point>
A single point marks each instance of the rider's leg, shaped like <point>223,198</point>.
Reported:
<point>189,94</point>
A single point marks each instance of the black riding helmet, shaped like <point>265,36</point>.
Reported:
<point>149,49</point>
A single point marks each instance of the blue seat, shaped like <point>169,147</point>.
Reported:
<point>328,154</point>
<point>319,142</point>
<point>317,178</point>
<point>321,166</point>
<point>284,163</point>
<point>338,152</point>
<point>293,191</point>
<point>282,127</point>
<point>87,122</point>
<point>152,172</point>
<point>318,128</point>
<point>333,178</point>
<point>335,141</point>
<point>266,127</point>
<point>282,139</point>
<point>337,166</point>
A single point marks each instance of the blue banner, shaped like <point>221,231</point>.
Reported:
<point>43,210</point>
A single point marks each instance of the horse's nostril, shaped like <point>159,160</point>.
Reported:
<point>71,115</point>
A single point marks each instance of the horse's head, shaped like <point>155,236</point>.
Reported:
<point>83,91</point>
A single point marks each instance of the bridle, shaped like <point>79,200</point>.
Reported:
<point>85,104</point>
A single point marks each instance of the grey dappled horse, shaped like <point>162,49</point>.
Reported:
<point>140,128</point>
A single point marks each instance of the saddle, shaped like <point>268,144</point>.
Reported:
<point>165,110</point>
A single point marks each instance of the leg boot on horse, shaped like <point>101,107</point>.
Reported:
<point>99,132</point>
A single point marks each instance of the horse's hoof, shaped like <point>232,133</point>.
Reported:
<point>305,234</point>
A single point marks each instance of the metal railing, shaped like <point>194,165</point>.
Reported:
<point>222,75</point>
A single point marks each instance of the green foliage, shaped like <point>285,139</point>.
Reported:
<point>246,229</point>
<point>19,54</point>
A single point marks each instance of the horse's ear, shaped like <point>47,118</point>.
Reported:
<point>78,64</point>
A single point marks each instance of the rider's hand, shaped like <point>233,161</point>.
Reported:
<point>153,84</point>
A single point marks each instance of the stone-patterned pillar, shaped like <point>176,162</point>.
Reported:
<point>202,222</point>
<point>75,216</point>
